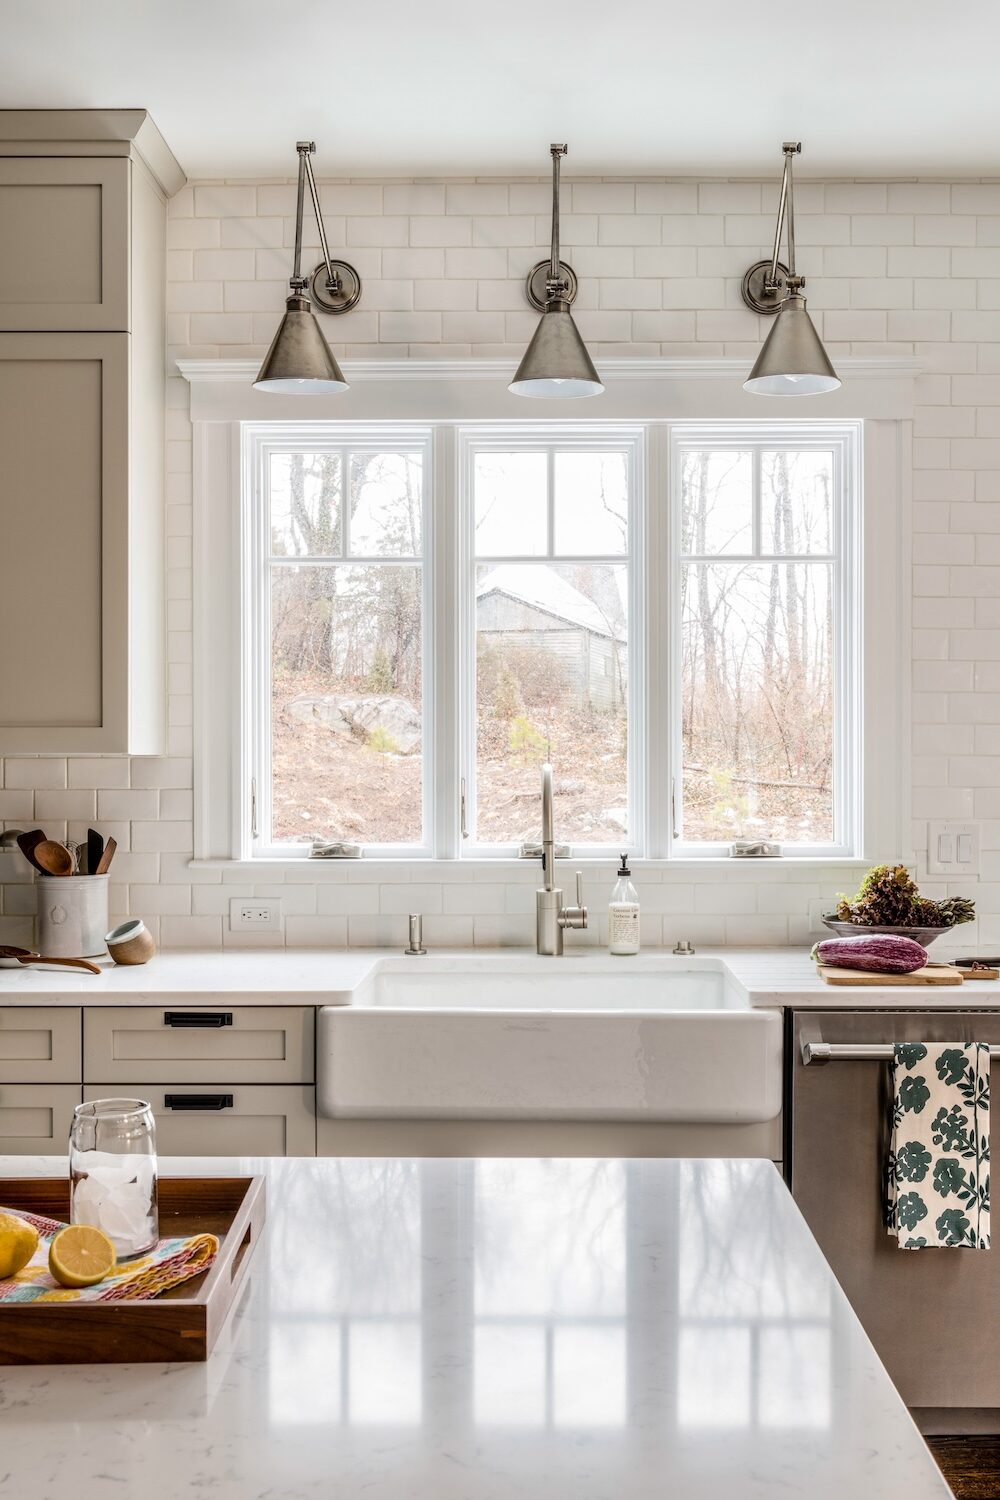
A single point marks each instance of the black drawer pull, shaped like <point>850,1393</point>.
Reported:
<point>198,1101</point>
<point>208,1018</point>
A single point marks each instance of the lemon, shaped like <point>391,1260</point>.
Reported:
<point>18,1243</point>
<point>81,1256</point>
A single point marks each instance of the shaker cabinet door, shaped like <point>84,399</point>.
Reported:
<point>64,243</point>
<point>35,1118</point>
<point>64,524</point>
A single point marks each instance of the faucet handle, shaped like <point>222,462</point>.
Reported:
<point>579,890</point>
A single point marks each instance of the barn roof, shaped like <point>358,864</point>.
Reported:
<point>544,589</point>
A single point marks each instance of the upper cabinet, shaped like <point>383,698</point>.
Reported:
<point>64,243</point>
<point>83,199</point>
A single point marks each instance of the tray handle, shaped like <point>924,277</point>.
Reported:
<point>198,1101</point>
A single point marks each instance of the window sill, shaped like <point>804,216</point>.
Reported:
<point>403,870</point>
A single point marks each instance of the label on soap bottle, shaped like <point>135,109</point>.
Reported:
<point>623,925</point>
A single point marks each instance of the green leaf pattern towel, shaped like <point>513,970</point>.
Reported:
<point>938,1168</point>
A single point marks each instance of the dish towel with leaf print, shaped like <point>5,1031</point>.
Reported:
<point>938,1167</point>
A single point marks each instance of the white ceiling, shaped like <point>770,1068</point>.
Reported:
<point>401,87</point>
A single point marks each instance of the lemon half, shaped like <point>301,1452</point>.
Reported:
<point>81,1256</point>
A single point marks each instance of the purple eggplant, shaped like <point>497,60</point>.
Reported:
<point>879,954</point>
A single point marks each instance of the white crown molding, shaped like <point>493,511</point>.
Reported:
<point>475,390</point>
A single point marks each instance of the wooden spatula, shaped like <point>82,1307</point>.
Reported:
<point>104,863</point>
<point>25,956</point>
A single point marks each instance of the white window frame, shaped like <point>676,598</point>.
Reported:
<point>845,440</point>
<point>446,396</point>
<point>260,442</point>
<point>549,437</point>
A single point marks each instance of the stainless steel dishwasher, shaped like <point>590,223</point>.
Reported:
<point>933,1315</point>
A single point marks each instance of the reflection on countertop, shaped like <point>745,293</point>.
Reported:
<point>494,1328</point>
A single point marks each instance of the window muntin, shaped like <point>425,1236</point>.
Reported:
<point>339,615</point>
<point>763,621</point>
<point>547,648</point>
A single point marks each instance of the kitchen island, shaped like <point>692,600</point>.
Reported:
<point>484,1329</point>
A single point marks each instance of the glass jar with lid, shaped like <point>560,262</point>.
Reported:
<point>112,1158</point>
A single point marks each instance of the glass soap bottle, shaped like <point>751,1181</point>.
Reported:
<point>623,913</point>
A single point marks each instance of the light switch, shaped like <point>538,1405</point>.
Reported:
<point>953,848</point>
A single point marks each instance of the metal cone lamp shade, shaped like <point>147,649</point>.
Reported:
<point>300,359</point>
<point>793,361</point>
<point>556,362</point>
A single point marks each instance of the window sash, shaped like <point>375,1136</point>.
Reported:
<point>550,438</point>
<point>261,442</point>
<point>843,440</point>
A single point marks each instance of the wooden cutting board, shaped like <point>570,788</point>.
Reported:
<point>929,974</point>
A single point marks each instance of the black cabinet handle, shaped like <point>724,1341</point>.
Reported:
<point>198,1101</point>
<point>207,1018</point>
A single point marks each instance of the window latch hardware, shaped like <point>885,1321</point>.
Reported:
<point>253,807</point>
<point>461,811</point>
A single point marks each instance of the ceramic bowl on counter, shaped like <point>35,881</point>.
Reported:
<point>922,935</point>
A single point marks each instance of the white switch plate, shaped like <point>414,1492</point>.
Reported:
<point>953,848</point>
<point>254,914</point>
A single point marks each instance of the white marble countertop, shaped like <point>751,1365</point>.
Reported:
<point>478,1330</point>
<point>763,977</point>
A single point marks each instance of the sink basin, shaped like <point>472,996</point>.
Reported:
<point>516,1037</point>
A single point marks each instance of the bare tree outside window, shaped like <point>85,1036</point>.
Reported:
<point>551,609</point>
<point>757,630</point>
<point>346,646</point>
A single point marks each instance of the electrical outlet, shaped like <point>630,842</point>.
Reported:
<point>953,848</point>
<point>254,914</point>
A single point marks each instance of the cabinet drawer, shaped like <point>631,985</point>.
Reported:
<point>195,1044</point>
<point>39,1045</point>
<point>64,243</point>
<point>226,1119</point>
<point>35,1118</point>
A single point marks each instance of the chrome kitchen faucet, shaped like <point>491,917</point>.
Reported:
<point>551,916</point>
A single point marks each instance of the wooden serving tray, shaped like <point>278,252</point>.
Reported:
<point>181,1324</point>
<point>930,974</point>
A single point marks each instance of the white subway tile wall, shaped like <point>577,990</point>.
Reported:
<point>902,267</point>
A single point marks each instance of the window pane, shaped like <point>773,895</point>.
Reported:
<point>551,679</point>
<point>591,504</point>
<point>796,501</point>
<point>511,507</point>
<point>385,504</point>
<point>757,721</point>
<point>346,727</point>
<point>305,504</point>
<point>717,501</point>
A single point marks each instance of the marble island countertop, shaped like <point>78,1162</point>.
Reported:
<point>478,1330</point>
<point>757,977</point>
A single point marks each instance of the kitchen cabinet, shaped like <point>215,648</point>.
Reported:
<point>237,1080</point>
<point>82,370</point>
<point>40,1045</point>
<point>225,1119</point>
<point>64,243</point>
<point>35,1118</point>
<point>193,1044</point>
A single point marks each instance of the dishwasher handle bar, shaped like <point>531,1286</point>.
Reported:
<point>824,1052</point>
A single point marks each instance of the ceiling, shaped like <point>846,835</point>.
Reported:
<point>397,88</point>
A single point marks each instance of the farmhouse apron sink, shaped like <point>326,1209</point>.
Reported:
<point>516,1037</point>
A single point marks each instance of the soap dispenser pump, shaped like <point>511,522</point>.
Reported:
<point>623,913</point>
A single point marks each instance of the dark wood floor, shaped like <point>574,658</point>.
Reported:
<point>971,1465</point>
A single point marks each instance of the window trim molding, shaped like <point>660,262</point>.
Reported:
<point>449,394</point>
